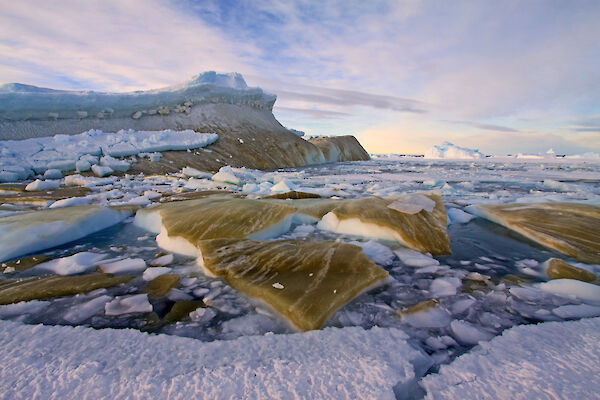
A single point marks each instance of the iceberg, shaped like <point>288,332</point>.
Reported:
<point>452,151</point>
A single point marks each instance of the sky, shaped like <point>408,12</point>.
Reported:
<point>501,76</point>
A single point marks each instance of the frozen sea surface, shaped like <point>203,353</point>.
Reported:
<point>486,286</point>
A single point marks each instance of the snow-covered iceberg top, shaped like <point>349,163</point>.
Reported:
<point>20,158</point>
<point>26,102</point>
<point>449,150</point>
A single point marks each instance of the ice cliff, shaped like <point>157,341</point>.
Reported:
<point>249,134</point>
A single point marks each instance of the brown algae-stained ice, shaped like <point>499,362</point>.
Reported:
<point>304,281</point>
<point>424,230</point>
<point>570,228</point>
<point>182,224</point>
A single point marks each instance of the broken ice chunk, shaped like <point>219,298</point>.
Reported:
<point>75,264</point>
<point>467,333</point>
<point>304,281</point>
<point>371,217</point>
<point>128,304</point>
<point>570,228</point>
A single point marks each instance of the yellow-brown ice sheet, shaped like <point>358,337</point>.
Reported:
<point>420,228</point>
<point>570,228</point>
<point>302,280</point>
<point>182,224</point>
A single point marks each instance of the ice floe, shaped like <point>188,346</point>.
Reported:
<point>554,360</point>
<point>571,228</point>
<point>347,363</point>
<point>304,281</point>
<point>34,231</point>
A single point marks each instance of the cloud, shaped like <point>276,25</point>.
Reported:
<point>111,45</point>
<point>479,125</point>
<point>316,114</point>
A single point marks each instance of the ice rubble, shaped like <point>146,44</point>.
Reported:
<point>70,152</point>
<point>305,281</point>
<point>452,151</point>
<point>66,362</point>
<point>549,360</point>
<point>34,231</point>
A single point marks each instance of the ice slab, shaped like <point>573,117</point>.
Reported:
<point>371,217</point>
<point>184,223</point>
<point>526,362</point>
<point>584,291</point>
<point>66,362</point>
<point>31,232</point>
<point>126,265</point>
<point>304,281</point>
<point>570,228</point>
<point>559,269</point>
<point>55,286</point>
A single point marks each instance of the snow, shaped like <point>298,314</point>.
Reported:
<point>526,362</point>
<point>70,152</point>
<point>137,303</point>
<point>27,233</point>
<point>452,151</point>
<point>75,264</point>
<point>587,292</point>
<point>42,185</point>
<point>577,311</point>
<point>23,308</point>
<point>122,266</point>
<point>66,362</point>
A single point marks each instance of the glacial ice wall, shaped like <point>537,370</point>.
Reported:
<point>29,111</point>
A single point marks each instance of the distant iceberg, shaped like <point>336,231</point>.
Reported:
<point>449,150</point>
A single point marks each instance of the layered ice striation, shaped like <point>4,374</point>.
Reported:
<point>26,103</point>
